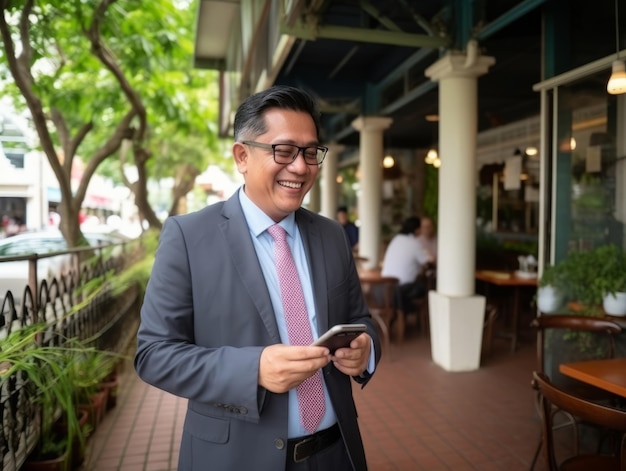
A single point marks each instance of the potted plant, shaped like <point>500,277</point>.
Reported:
<point>87,369</point>
<point>611,282</point>
<point>551,290</point>
<point>586,278</point>
<point>45,370</point>
<point>57,376</point>
<point>581,269</point>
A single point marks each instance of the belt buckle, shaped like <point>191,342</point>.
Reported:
<point>297,447</point>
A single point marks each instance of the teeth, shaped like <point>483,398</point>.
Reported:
<point>291,184</point>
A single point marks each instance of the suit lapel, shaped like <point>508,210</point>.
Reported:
<point>237,236</point>
<point>312,241</point>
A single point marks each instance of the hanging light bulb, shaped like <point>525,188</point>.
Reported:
<point>531,151</point>
<point>388,161</point>
<point>431,156</point>
<point>437,162</point>
<point>617,82</point>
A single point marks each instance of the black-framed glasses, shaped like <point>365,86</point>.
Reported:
<point>284,154</point>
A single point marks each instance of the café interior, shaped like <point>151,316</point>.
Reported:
<point>502,120</point>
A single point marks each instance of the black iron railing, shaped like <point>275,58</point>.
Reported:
<point>77,304</point>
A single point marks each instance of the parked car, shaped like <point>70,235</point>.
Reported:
<point>14,274</point>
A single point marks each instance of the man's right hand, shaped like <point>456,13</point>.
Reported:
<point>283,367</point>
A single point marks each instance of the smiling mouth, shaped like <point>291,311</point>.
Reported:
<point>294,185</point>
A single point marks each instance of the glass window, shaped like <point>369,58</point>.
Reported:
<point>589,167</point>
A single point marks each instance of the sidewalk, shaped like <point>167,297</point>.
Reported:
<point>142,433</point>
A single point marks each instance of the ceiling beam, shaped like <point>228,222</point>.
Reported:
<point>509,17</point>
<point>375,13</point>
<point>365,35</point>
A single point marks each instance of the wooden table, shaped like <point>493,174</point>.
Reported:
<point>382,311</point>
<point>516,282</point>
<point>609,374</point>
<point>369,275</point>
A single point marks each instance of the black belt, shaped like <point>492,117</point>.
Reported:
<point>299,449</point>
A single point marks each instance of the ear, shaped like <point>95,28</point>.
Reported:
<point>240,153</point>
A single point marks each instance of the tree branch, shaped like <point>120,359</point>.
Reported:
<point>112,144</point>
<point>103,53</point>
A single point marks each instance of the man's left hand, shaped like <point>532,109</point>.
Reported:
<point>352,361</point>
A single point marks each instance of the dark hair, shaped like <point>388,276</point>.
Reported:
<point>342,209</point>
<point>410,225</point>
<point>250,117</point>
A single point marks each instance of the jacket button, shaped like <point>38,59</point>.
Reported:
<point>243,410</point>
<point>279,443</point>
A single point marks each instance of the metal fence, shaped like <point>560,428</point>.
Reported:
<point>107,321</point>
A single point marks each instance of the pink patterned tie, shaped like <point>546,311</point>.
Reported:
<point>310,392</point>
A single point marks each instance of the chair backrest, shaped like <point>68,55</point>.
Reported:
<point>571,338</point>
<point>380,294</point>
<point>428,276</point>
<point>551,395</point>
<point>491,314</point>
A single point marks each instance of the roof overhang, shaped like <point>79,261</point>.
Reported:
<point>214,23</point>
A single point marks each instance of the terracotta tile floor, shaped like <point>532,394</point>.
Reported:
<point>413,416</point>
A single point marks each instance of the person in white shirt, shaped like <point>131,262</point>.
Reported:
<point>404,259</point>
<point>427,237</point>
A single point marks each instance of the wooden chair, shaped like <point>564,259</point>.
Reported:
<point>380,295</point>
<point>552,396</point>
<point>429,278</point>
<point>559,330</point>
<point>419,307</point>
<point>491,314</point>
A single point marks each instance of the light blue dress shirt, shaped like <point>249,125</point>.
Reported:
<point>258,223</point>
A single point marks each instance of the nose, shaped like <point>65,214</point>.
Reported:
<point>298,165</point>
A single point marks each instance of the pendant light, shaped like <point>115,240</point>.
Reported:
<point>617,82</point>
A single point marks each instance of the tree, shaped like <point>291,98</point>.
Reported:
<point>92,78</point>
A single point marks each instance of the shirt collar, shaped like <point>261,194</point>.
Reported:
<point>258,221</point>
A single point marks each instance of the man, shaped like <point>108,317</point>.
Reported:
<point>351,230</point>
<point>216,320</point>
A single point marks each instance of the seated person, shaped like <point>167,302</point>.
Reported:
<point>427,237</point>
<point>351,230</point>
<point>404,259</point>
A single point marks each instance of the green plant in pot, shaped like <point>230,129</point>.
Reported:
<point>88,368</point>
<point>585,277</point>
<point>56,374</point>
<point>45,368</point>
<point>610,284</point>
<point>552,289</point>
<point>581,269</point>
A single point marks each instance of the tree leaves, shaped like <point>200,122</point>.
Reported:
<point>99,67</point>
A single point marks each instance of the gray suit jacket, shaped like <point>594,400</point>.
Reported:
<point>207,316</point>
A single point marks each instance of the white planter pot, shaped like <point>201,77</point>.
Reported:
<point>549,299</point>
<point>615,304</point>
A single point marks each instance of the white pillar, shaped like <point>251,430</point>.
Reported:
<point>456,313</point>
<point>330,189</point>
<point>371,157</point>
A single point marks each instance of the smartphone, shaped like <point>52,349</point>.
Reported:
<point>340,336</point>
